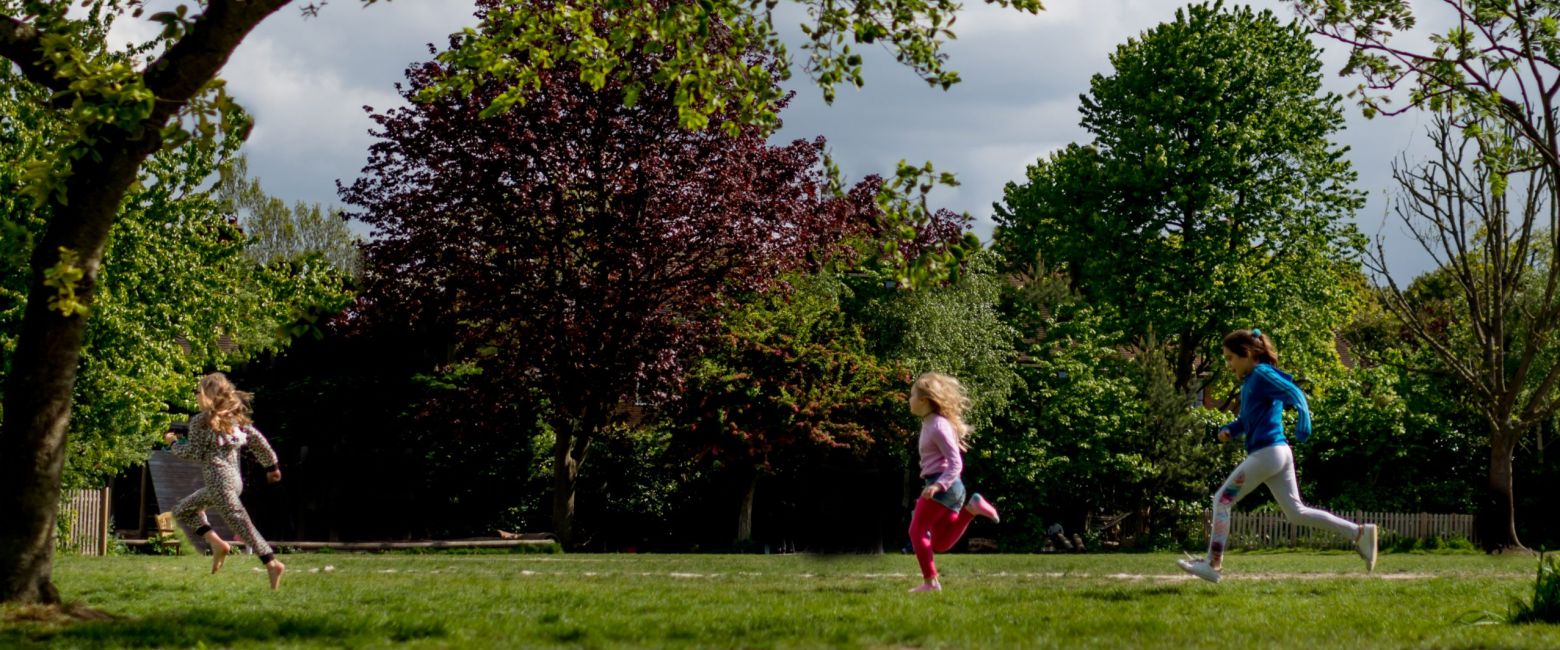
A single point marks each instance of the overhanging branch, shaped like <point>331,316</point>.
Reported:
<point>23,45</point>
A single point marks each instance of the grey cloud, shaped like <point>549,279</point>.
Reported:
<point>305,81</point>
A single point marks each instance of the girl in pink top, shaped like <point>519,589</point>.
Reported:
<point>941,514</point>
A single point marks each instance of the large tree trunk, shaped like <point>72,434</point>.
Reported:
<point>569,449</point>
<point>745,512</point>
<point>1497,513</point>
<point>43,374</point>
<point>32,448</point>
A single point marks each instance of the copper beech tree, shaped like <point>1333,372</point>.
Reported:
<point>580,249</point>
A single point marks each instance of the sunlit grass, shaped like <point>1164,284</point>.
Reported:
<point>1266,600</point>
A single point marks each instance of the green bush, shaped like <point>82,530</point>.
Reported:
<point>1439,543</point>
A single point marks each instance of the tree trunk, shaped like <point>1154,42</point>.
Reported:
<point>745,512</point>
<point>569,448</point>
<point>43,374</point>
<point>1185,360</point>
<point>32,449</point>
<point>1497,514</point>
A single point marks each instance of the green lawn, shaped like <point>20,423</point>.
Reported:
<point>1299,600</point>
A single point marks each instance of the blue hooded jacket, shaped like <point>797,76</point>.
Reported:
<point>1263,396</point>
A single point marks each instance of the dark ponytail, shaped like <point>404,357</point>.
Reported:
<point>1252,343</point>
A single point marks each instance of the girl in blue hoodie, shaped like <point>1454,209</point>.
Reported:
<point>1264,392</point>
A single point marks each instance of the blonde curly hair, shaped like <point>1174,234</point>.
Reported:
<point>225,407</point>
<point>948,399</point>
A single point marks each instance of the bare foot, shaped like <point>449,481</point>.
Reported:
<point>219,553</point>
<point>274,569</point>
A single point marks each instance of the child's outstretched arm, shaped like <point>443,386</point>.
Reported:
<point>260,450</point>
<point>197,443</point>
<point>1232,431</point>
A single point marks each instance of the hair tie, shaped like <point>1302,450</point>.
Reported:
<point>1256,332</point>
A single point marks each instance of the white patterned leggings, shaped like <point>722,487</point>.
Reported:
<point>1274,466</point>
<point>191,512</point>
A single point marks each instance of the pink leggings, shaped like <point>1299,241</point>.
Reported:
<point>935,527</point>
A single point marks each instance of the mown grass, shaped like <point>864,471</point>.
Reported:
<point>1296,600</point>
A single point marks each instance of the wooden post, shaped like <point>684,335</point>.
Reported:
<point>102,537</point>
<point>140,529</point>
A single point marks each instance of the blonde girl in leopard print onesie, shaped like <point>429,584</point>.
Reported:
<point>215,436</point>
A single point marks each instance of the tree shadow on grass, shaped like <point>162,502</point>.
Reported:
<point>1124,594</point>
<point>213,628</point>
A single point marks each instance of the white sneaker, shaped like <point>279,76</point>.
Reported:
<point>1201,569</point>
<point>1365,545</point>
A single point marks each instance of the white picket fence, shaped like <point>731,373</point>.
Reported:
<point>88,513</point>
<point>1268,530</point>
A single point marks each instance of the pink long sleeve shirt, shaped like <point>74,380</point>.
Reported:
<point>940,455</point>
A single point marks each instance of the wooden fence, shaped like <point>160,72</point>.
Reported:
<point>1270,529</point>
<point>88,514</point>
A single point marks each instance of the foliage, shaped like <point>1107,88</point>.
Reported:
<point>955,328</point>
<point>175,290</point>
<point>1211,198</point>
<point>1491,64</point>
<point>706,50</point>
<point>163,543</point>
<point>791,374</point>
<point>1093,436</point>
<point>101,92</point>
<point>721,61</point>
<point>1049,442</point>
<point>791,382</point>
<point>1482,207</point>
<point>1174,455</point>
<point>641,493</point>
<point>280,233</point>
<point>578,248</point>
<point>1384,426</point>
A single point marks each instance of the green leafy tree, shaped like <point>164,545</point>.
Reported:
<point>1212,197</point>
<point>1097,433</point>
<point>114,116</point>
<point>704,48</point>
<point>178,296</point>
<point>1482,207</point>
<point>790,379</point>
<point>176,287</point>
<point>1490,79</point>
<point>1052,452</point>
<point>1174,454</point>
<point>278,232</point>
<point>954,328</point>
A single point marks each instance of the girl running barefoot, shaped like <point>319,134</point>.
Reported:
<point>215,435</point>
<point>941,515</point>
<point>1264,392</point>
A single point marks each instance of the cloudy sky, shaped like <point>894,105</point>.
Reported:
<point>307,80</point>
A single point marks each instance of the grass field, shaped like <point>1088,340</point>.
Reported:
<point>1289,600</point>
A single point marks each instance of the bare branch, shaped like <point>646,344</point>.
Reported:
<point>1398,304</point>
